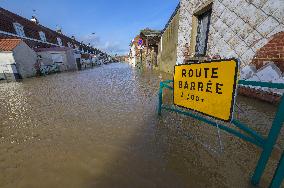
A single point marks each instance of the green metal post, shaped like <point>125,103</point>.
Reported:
<point>160,98</point>
<point>249,131</point>
<point>269,144</point>
<point>279,174</point>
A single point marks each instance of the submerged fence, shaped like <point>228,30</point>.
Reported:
<point>265,143</point>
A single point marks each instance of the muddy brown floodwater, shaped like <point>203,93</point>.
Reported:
<point>98,128</point>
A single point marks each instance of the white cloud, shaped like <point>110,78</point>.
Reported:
<point>111,47</point>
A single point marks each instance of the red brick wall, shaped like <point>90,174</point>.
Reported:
<point>272,51</point>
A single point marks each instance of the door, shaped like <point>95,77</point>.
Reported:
<point>78,61</point>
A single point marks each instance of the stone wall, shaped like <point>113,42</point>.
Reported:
<point>167,54</point>
<point>239,28</point>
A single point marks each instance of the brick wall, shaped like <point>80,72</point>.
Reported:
<point>272,51</point>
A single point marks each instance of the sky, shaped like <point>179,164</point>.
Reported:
<point>109,25</point>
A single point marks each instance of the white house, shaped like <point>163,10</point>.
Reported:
<point>63,57</point>
<point>17,59</point>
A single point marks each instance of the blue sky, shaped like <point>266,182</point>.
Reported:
<point>114,22</point>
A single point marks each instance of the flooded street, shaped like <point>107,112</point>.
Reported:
<point>99,128</point>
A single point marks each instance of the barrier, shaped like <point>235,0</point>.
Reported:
<point>266,144</point>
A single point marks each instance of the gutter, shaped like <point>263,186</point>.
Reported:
<point>27,38</point>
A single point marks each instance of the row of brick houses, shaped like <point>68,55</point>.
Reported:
<point>249,30</point>
<point>49,49</point>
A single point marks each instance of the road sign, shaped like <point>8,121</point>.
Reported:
<point>140,42</point>
<point>208,87</point>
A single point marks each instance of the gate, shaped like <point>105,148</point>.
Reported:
<point>265,143</point>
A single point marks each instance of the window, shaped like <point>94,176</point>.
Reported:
<point>42,36</point>
<point>57,58</point>
<point>69,44</point>
<point>59,41</point>
<point>202,33</point>
<point>19,29</point>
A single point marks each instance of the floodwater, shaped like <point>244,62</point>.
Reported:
<point>99,128</point>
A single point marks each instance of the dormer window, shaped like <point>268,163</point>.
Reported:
<point>59,41</point>
<point>19,29</point>
<point>42,36</point>
<point>69,45</point>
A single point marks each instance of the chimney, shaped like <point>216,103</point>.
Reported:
<point>34,19</point>
<point>58,29</point>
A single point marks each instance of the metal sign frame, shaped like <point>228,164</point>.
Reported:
<point>265,143</point>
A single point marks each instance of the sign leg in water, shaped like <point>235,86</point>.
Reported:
<point>208,88</point>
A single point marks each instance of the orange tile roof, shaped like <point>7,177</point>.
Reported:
<point>9,44</point>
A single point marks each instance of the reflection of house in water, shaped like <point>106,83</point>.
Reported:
<point>52,46</point>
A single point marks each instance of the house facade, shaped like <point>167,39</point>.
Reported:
<point>251,31</point>
<point>17,59</point>
<point>62,57</point>
<point>134,53</point>
<point>228,28</point>
<point>144,55</point>
<point>42,40</point>
<point>202,29</point>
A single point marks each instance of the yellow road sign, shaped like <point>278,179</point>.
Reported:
<point>208,87</point>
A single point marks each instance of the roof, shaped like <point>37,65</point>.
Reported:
<point>150,32</point>
<point>32,30</point>
<point>57,49</point>
<point>152,36</point>
<point>85,56</point>
<point>9,44</point>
